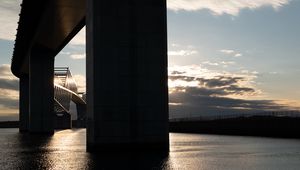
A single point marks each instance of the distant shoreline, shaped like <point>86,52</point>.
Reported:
<point>265,126</point>
<point>15,124</point>
<point>9,124</point>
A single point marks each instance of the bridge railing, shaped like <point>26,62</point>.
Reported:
<point>63,97</point>
<point>63,77</point>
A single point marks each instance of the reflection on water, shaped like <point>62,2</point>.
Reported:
<point>66,150</point>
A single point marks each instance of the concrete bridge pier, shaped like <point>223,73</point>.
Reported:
<point>127,92</point>
<point>24,104</point>
<point>41,91</point>
<point>81,115</point>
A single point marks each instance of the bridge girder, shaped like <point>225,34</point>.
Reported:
<point>49,24</point>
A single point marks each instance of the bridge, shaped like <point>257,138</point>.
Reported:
<point>126,69</point>
<point>65,91</point>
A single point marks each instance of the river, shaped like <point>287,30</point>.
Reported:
<point>66,150</point>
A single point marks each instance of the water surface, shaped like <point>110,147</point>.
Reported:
<point>66,150</point>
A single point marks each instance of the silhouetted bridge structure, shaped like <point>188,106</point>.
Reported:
<point>126,68</point>
<point>65,91</point>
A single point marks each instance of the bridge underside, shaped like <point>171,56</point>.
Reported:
<point>127,93</point>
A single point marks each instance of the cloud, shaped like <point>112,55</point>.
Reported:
<point>65,52</point>
<point>227,51</point>
<point>79,39</point>
<point>9,114</point>
<point>175,45</point>
<point>196,91</point>
<point>231,52</point>
<point>249,72</point>
<point>182,53</point>
<point>177,72</point>
<point>238,55</point>
<point>294,104</point>
<point>77,56</point>
<point>216,64</point>
<point>227,63</point>
<point>9,10</point>
<point>11,84</point>
<point>8,102</point>
<point>221,81</point>
<point>194,102</point>
<point>81,82</point>
<point>215,86</point>
<point>210,63</point>
<point>181,50</point>
<point>5,71</point>
<point>220,7</point>
<point>9,90</point>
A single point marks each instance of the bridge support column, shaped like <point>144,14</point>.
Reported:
<point>41,92</point>
<point>81,115</point>
<point>127,92</point>
<point>24,104</point>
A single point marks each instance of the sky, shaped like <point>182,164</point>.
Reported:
<point>225,57</point>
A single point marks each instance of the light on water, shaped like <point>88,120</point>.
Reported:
<point>66,150</point>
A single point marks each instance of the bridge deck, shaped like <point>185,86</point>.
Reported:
<point>49,24</point>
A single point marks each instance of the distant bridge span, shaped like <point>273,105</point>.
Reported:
<point>65,91</point>
<point>126,49</point>
<point>74,96</point>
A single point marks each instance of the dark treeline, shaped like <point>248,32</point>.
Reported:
<point>268,126</point>
<point>9,124</point>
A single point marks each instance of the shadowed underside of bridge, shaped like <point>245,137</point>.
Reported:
<point>126,43</point>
